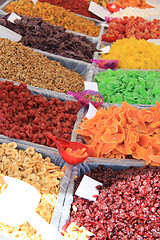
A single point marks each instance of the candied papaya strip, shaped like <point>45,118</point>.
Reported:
<point>107,148</point>
<point>141,152</point>
<point>88,140</point>
<point>130,111</point>
<point>92,151</point>
<point>155,159</point>
<point>79,153</point>
<point>149,152</point>
<point>114,138</point>
<point>98,148</point>
<point>91,122</point>
<point>120,136</point>
<point>116,154</point>
<point>121,148</point>
<point>144,140</point>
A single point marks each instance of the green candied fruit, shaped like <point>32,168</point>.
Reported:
<point>157,97</point>
<point>156,90</point>
<point>133,86</point>
<point>118,98</point>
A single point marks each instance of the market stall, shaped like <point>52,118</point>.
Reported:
<point>80,118</point>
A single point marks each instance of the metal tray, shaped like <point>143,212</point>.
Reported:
<point>97,22</point>
<point>72,61</point>
<point>57,160</point>
<point>79,138</point>
<point>46,93</point>
<point>80,170</point>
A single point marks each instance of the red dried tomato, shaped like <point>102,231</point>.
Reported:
<point>109,37</point>
<point>113,7</point>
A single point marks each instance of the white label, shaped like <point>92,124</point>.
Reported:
<point>13,16</point>
<point>7,33</point>
<point>87,188</point>
<point>91,111</point>
<point>99,10</point>
<point>105,49</point>
<point>34,1</point>
<point>155,41</point>
<point>91,86</point>
<point>104,24</point>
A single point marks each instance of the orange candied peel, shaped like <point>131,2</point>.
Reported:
<point>124,132</point>
<point>79,153</point>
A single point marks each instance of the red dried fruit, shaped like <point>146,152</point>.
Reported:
<point>128,203</point>
<point>34,113</point>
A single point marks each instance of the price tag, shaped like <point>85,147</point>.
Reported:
<point>87,188</point>
<point>155,41</point>
<point>105,49</point>
<point>34,1</point>
<point>7,33</point>
<point>99,10</point>
<point>13,16</point>
<point>91,111</point>
<point>91,86</point>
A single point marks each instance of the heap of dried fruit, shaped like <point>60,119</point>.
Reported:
<point>124,132</point>
<point>76,6</point>
<point>30,117</point>
<point>128,27</point>
<point>54,15</point>
<point>31,167</point>
<point>127,205</point>
<point>50,38</point>
<point>22,64</point>
<point>133,53</point>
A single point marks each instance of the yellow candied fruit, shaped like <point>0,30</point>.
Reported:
<point>54,15</point>
<point>134,54</point>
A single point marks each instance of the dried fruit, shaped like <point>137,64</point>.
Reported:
<point>50,38</point>
<point>22,64</point>
<point>29,117</point>
<point>127,205</point>
<point>31,167</point>
<point>54,15</point>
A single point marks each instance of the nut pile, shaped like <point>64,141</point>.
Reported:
<point>128,204</point>
<point>22,64</point>
<point>31,167</point>
<point>50,38</point>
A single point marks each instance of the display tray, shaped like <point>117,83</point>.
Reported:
<point>58,161</point>
<point>72,61</point>
<point>46,93</point>
<point>83,168</point>
<point>97,22</point>
<point>106,160</point>
<point>95,70</point>
<point>104,28</point>
<point>83,68</point>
